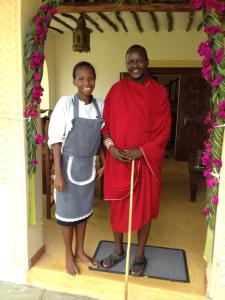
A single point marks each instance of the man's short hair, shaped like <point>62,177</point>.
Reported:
<point>138,48</point>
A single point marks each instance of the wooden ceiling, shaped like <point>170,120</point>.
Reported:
<point>105,15</point>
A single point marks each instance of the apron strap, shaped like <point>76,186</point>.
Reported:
<point>76,106</point>
<point>97,108</point>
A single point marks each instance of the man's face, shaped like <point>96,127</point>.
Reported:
<point>136,64</point>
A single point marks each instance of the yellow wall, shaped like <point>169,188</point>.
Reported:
<point>176,48</point>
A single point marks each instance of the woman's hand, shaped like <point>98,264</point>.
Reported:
<point>59,183</point>
<point>99,173</point>
<point>118,154</point>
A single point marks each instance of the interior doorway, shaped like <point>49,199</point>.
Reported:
<point>189,97</point>
<point>172,83</point>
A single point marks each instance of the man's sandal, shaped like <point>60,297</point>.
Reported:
<point>112,260</point>
<point>138,265</point>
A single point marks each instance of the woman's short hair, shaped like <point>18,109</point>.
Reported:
<point>83,64</point>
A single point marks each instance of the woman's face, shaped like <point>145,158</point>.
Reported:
<point>136,64</point>
<point>85,83</point>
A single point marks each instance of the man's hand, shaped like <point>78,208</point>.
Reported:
<point>133,154</point>
<point>118,154</point>
<point>59,183</point>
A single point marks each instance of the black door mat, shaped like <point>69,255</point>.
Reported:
<point>163,263</point>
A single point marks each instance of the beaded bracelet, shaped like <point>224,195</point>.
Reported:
<point>108,143</point>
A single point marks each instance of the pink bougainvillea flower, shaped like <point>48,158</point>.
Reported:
<point>207,173</point>
<point>37,92</point>
<point>217,81</point>
<point>206,211</point>
<point>26,114</point>
<point>41,31</point>
<point>220,8</point>
<point>47,18</point>
<point>217,162</point>
<point>206,62</point>
<point>213,29</point>
<point>215,200</point>
<point>39,139</point>
<point>208,118</point>
<point>210,130</point>
<point>34,114</point>
<point>221,115</point>
<point>207,73</point>
<point>221,105</point>
<point>45,7</point>
<point>204,48</point>
<point>214,124</point>
<point>37,76</point>
<point>219,55</point>
<point>210,182</point>
<point>36,59</point>
<point>53,10</point>
<point>48,8</point>
<point>34,162</point>
<point>197,4</point>
<point>214,4</point>
<point>38,21</point>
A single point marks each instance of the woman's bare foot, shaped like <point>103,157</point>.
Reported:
<point>71,266</point>
<point>91,262</point>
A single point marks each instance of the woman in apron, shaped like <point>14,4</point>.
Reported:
<point>75,136</point>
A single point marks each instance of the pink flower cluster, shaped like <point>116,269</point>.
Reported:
<point>36,59</point>
<point>34,162</point>
<point>42,22</point>
<point>31,111</point>
<point>206,211</point>
<point>221,110</point>
<point>207,161</point>
<point>209,5</point>
<point>205,50</point>
<point>39,138</point>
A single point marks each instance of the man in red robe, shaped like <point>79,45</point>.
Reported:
<point>137,127</point>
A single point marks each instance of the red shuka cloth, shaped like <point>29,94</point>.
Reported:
<point>136,116</point>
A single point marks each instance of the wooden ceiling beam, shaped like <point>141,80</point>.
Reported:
<point>190,21</point>
<point>154,21</point>
<point>70,17</point>
<point>137,21</point>
<point>108,21</point>
<point>56,29</point>
<point>63,23</point>
<point>119,18</point>
<point>80,7</point>
<point>89,19</point>
<point>200,26</point>
<point>170,21</point>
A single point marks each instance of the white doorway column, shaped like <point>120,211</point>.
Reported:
<point>14,229</point>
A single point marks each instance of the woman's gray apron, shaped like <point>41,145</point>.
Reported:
<point>80,148</point>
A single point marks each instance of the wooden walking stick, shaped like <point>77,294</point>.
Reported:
<point>129,231</point>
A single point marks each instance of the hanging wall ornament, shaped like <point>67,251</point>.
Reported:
<point>81,36</point>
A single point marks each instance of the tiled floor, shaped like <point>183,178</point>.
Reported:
<point>180,225</point>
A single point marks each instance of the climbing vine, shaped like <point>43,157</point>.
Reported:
<point>213,70</point>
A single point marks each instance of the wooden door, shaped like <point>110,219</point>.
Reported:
<point>193,105</point>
